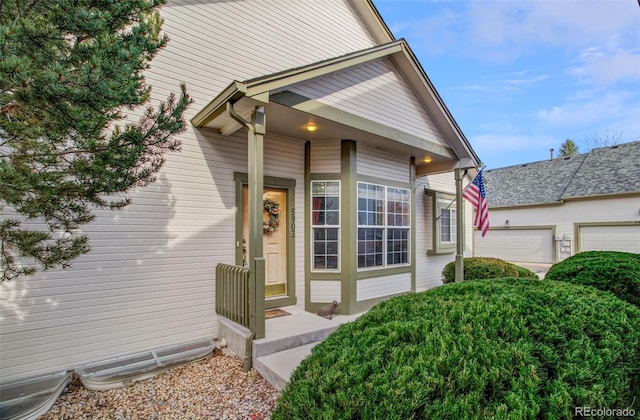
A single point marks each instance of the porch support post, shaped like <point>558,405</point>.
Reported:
<point>459,228</point>
<point>256,131</point>
<point>256,189</point>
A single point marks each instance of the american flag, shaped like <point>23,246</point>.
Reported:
<point>474,193</point>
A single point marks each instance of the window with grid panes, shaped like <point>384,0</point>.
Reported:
<point>384,220</point>
<point>325,225</point>
<point>447,225</point>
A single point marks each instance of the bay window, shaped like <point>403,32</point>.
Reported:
<point>384,220</point>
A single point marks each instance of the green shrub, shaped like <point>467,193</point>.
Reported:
<point>525,273</point>
<point>611,271</point>
<point>477,268</point>
<point>508,348</point>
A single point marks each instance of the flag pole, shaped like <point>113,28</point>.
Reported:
<point>459,274</point>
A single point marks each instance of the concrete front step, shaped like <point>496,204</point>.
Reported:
<point>277,368</point>
<point>289,339</point>
<point>266,346</point>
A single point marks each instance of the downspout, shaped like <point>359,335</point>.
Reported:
<point>459,275</point>
<point>256,131</point>
<point>232,112</point>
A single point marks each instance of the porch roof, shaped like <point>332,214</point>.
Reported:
<point>288,112</point>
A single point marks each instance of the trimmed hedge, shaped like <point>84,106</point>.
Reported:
<point>508,348</point>
<point>525,273</point>
<point>611,271</point>
<point>477,268</point>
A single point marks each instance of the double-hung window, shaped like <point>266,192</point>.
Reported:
<point>444,222</point>
<point>325,225</point>
<point>447,225</point>
<point>384,221</point>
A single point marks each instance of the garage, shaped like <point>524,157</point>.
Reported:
<point>522,245</point>
<point>609,238</point>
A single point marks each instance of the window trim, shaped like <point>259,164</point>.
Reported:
<point>452,224</point>
<point>385,227</point>
<point>438,198</point>
<point>312,227</point>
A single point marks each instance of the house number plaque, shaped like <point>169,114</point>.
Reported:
<point>293,222</point>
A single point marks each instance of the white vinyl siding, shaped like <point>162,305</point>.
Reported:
<point>382,163</point>
<point>429,267</point>
<point>149,280</point>
<point>211,41</point>
<point>375,91</point>
<point>383,286</point>
<point>325,156</point>
<point>516,245</point>
<point>610,238</point>
<point>325,291</point>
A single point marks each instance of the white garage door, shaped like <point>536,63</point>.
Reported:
<point>524,245</point>
<point>610,238</point>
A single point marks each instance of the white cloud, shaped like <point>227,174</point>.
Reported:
<point>518,80</point>
<point>498,150</point>
<point>556,23</point>
<point>589,112</point>
<point>603,67</point>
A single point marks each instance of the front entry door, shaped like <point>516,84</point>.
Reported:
<point>274,239</point>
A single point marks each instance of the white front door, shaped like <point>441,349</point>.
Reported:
<point>274,241</point>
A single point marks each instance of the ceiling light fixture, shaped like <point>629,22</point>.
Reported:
<point>311,127</point>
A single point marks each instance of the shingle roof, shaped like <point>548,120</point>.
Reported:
<point>602,171</point>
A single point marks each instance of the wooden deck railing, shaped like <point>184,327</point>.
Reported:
<point>232,294</point>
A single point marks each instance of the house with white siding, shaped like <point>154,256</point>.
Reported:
<point>546,211</point>
<point>320,164</point>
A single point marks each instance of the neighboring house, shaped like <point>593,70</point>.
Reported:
<point>547,211</point>
<point>313,105</point>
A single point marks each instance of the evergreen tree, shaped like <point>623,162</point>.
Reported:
<point>69,69</point>
<point>568,148</point>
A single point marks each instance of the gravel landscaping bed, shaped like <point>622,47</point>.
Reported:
<point>214,388</point>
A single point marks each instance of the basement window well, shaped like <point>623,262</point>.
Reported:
<point>33,397</point>
<point>120,371</point>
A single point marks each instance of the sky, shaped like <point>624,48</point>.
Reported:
<point>521,77</point>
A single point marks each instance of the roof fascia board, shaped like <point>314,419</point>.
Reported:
<point>304,104</point>
<point>272,82</point>
<point>443,167</point>
<point>374,21</point>
<point>603,196</point>
<point>217,106</point>
<point>518,206</point>
<point>443,116</point>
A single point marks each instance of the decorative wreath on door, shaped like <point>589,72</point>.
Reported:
<point>271,207</point>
